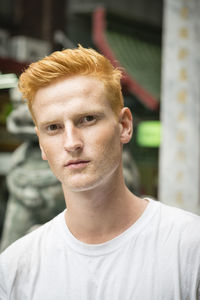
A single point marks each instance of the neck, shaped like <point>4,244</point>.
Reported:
<point>102,213</point>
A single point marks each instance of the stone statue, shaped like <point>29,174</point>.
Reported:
<point>35,195</point>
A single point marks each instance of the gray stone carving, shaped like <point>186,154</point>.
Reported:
<point>35,195</point>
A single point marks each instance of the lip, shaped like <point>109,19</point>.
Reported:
<point>76,164</point>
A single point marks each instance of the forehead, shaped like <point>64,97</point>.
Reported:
<point>72,94</point>
<point>71,86</point>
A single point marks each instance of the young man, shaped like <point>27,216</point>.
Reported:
<point>108,243</point>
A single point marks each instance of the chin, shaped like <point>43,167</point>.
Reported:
<point>84,186</point>
<point>81,188</point>
<point>87,182</point>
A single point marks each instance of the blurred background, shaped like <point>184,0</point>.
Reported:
<point>156,43</point>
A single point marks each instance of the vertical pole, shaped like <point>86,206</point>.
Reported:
<point>179,176</point>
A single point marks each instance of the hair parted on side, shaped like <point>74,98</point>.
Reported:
<point>71,62</point>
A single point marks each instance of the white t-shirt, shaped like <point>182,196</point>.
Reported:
<point>157,258</point>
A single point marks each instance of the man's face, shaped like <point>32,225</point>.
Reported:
<point>79,133</point>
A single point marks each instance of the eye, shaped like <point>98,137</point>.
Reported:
<point>53,127</point>
<point>88,119</point>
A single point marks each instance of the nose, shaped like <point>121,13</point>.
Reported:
<point>72,139</point>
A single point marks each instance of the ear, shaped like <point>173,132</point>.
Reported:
<point>41,148</point>
<point>126,125</point>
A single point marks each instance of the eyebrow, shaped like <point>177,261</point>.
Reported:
<point>91,112</point>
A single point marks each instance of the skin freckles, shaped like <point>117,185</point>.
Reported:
<point>79,133</point>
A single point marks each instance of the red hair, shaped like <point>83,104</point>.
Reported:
<point>70,62</point>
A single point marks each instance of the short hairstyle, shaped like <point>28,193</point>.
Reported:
<point>67,63</point>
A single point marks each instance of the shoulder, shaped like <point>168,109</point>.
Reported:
<point>26,255</point>
<point>182,225</point>
<point>173,216</point>
<point>25,248</point>
<point>178,217</point>
<point>16,258</point>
